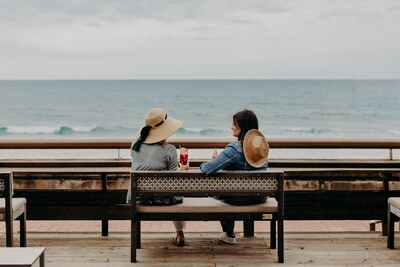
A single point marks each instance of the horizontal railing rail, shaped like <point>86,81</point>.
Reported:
<point>197,143</point>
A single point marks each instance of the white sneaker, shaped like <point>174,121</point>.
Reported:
<point>223,237</point>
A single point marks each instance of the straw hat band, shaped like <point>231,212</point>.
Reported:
<point>158,124</point>
<point>155,117</point>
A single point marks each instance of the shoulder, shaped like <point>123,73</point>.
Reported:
<point>233,149</point>
<point>169,148</point>
<point>235,145</point>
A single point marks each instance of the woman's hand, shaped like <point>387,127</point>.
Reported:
<point>214,154</point>
<point>184,167</point>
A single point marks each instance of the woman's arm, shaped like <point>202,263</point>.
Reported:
<point>223,160</point>
<point>172,159</point>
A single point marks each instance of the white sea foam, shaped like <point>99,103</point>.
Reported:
<point>306,130</point>
<point>32,129</point>
<point>54,129</point>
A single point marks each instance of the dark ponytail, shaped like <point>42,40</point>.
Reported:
<point>143,135</point>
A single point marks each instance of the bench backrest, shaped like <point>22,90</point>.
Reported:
<point>6,184</point>
<point>191,183</point>
<point>6,192</point>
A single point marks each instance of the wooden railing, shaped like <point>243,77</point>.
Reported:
<point>94,143</point>
<point>196,143</point>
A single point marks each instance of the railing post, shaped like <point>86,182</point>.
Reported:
<point>390,153</point>
<point>104,223</point>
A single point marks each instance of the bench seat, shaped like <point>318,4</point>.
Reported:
<point>394,205</point>
<point>210,205</point>
<point>18,206</point>
<point>393,213</point>
<point>12,209</point>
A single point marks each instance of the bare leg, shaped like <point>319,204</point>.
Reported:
<point>179,227</point>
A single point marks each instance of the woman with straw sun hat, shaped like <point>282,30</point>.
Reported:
<point>249,152</point>
<point>150,151</point>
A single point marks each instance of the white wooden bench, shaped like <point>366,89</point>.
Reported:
<point>21,257</point>
<point>198,188</point>
<point>393,215</point>
<point>12,209</point>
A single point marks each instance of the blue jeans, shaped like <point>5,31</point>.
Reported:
<point>229,226</point>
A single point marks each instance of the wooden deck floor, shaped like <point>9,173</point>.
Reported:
<point>203,249</point>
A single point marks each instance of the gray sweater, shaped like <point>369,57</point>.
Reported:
<point>153,157</point>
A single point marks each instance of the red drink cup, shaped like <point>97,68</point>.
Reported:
<point>184,155</point>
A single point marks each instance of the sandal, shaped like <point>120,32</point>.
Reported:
<point>176,243</point>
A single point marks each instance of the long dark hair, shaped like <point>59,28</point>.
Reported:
<point>245,120</point>
<point>143,135</point>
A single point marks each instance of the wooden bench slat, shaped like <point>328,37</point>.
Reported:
<point>210,205</point>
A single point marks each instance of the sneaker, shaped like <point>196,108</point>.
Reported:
<point>223,237</point>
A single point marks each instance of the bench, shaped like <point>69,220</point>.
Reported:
<point>393,213</point>
<point>22,257</point>
<point>197,188</point>
<point>12,209</point>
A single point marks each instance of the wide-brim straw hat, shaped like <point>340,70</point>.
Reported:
<point>255,148</point>
<point>162,126</point>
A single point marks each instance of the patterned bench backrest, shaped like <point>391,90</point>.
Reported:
<point>185,183</point>
<point>6,184</point>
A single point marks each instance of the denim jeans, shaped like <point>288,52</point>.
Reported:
<point>229,225</point>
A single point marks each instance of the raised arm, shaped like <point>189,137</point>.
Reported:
<point>223,160</point>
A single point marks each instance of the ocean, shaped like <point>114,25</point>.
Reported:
<point>116,108</point>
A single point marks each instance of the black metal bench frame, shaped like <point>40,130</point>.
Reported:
<point>196,184</point>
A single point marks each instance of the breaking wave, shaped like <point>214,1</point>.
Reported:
<point>308,130</point>
<point>199,131</point>
<point>61,130</point>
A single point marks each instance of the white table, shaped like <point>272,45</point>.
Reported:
<point>21,257</point>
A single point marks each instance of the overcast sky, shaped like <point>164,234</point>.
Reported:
<point>189,39</point>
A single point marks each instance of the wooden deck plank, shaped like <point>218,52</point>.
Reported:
<point>203,249</point>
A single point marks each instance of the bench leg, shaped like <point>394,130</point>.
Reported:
<point>41,259</point>
<point>9,233</point>
<point>273,234</point>
<point>133,238</point>
<point>280,241</point>
<point>22,229</point>
<point>390,234</point>
<point>104,227</point>
<point>248,228</point>
<point>138,235</point>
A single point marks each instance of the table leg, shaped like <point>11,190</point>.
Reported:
<point>42,260</point>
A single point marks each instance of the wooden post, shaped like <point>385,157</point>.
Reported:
<point>104,223</point>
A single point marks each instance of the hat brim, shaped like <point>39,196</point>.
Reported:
<point>162,132</point>
<point>247,149</point>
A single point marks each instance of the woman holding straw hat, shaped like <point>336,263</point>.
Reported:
<point>249,152</point>
<point>150,151</point>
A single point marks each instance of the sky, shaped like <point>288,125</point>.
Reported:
<point>200,39</point>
